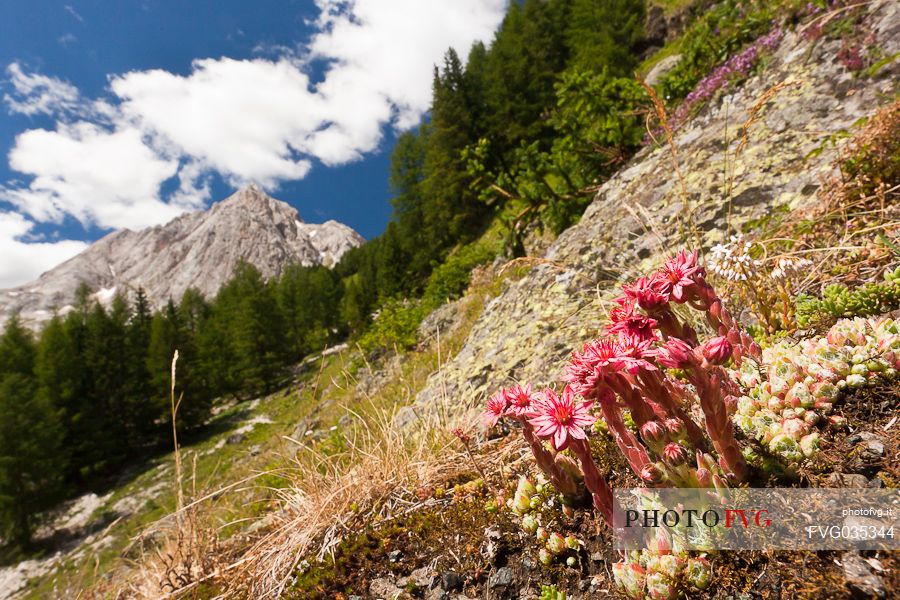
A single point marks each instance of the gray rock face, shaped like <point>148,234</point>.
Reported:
<point>528,332</point>
<point>197,250</point>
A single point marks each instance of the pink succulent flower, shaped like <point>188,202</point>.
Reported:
<point>646,294</point>
<point>587,368</point>
<point>560,417</point>
<point>496,406</point>
<point>678,275</point>
<point>634,352</point>
<point>626,321</point>
<point>521,401</point>
<point>717,350</point>
<point>675,354</point>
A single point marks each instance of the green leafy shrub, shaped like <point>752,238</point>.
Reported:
<point>449,280</point>
<point>395,326</point>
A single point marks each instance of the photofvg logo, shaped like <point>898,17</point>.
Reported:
<point>757,519</point>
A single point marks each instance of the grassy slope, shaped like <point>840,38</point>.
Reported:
<point>273,454</point>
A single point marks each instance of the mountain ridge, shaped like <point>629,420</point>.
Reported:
<point>198,249</point>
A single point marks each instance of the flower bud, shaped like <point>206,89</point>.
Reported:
<point>675,354</point>
<point>652,474</point>
<point>675,455</point>
<point>717,350</point>
<point>704,478</point>
<point>654,435</point>
<point>676,429</point>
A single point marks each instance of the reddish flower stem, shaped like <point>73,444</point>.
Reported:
<point>561,480</point>
<point>628,443</point>
<point>709,380</point>
<point>654,386</point>
<point>601,494</point>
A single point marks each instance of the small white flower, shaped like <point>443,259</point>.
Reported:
<point>789,268</point>
<point>732,261</point>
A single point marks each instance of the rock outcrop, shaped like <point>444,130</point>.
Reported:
<point>198,250</point>
<point>528,332</point>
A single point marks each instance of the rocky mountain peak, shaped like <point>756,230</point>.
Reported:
<point>198,250</point>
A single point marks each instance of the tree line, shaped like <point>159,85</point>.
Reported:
<point>90,392</point>
<point>522,131</point>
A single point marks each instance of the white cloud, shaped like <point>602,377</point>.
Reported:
<point>111,178</point>
<point>258,119</point>
<point>23,260</point>
<point>71,10</point>
<point>35,94</point>
<point>238,117</point>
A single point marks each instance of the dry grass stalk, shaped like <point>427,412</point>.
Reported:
<point>755,111</point>
<point>688,223</point>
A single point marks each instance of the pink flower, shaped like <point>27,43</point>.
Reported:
<point>587,368</point>
<point>626,321</point>
<point>675,354</point>
<point>560,417</point>
<point>645,293</point>
<point>679,274</point>
<point>634,352</point>
<point>496,406</point>
<point>521,401</point>
<point>717,350</point>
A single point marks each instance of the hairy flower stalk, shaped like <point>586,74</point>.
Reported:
<point>627,442</point>
<point>561,479</point>
<point>709,380</point>
<point>601,494</point>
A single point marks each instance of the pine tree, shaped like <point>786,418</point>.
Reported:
<point>605,35</point>
<point>17,348</point>
<point>31,459</point>
<point>143,414</point>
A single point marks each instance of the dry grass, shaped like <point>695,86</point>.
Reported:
<point>330,500</point>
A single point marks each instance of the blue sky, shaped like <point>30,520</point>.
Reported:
<point>127,113</point>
